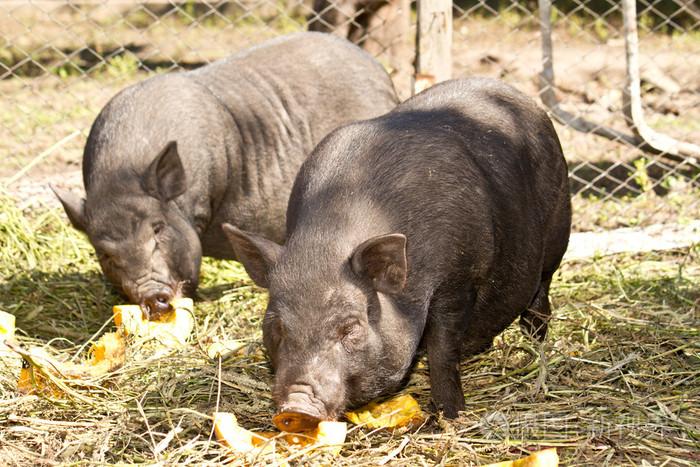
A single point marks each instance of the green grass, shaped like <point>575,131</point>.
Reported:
<point>617,382</point>
<point>29,126</point>
<point>123,67</point>
<point>679,206</point>
<point>673,122</point>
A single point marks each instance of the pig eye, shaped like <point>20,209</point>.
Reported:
<point>158,227</point>
<point>200,224</point>
<point>352,336</point>
<point>106,258</point>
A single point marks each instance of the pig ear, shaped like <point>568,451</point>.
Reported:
<point>382,259</point>
<point>165,177</point>
<point>257,254</point>
<point>74,206</point>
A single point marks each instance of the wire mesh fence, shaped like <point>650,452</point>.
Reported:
<point>618,181</point>
<point>61,60</point>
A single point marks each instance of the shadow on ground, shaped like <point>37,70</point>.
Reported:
<point>82,60</point>
<point>51,305</point>
<point>74,306</point>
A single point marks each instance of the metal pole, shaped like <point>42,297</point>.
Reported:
<point>632,100</point>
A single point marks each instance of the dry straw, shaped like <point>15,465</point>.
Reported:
<point>617,382</point>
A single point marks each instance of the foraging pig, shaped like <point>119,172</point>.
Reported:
<point>171,158</point>
<point>441,221</point>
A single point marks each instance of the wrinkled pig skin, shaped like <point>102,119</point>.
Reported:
<point>169,159</point>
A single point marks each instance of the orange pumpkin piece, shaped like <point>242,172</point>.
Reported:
<point>171,329</point>
<point>544,458</point>
<point>396,412</point>
<point>38,368</point>
<point>7,332</point>
<point>34,382</point>
<point>7,326</point>
<point>232,435</point>
<point>108,353</point>
<point>327,436</point>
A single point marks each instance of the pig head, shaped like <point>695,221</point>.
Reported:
<point>330,322</point>
<point>156,254</point>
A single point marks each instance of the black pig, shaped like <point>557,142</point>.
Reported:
<point>171,158</point>
<point>441,221</point>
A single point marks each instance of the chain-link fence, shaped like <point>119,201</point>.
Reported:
<point>620,180</point>
<point>61,60</point>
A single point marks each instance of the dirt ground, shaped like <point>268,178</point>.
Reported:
<point>80,57</point>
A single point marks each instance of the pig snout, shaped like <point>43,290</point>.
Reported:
<point>301,409</point>
<point>157,302</point>
<point>154,295</point>
<point>299,412</point>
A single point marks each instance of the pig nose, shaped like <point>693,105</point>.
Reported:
<point>297,414</point>
<point>157,304</point>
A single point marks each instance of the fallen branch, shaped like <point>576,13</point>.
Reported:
<point>643,137</point>
<point>632,101</point>
<point>546,87</point>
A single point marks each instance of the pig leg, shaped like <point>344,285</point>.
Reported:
<point>475,346</point>
<point>533,321</point>
<point>443,338</point>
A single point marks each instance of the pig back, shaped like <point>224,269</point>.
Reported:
<point>496,191</point>
<point>283,97</point>
<point>489,209</point>
<point>470,171</point>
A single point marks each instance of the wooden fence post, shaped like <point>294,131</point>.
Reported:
<point>433,43</point>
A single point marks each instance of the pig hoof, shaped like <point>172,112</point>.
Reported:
<point>295,422</point>
<point>449,409</point>
<point>451,412</point>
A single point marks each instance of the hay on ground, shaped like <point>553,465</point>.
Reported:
<point>616,382</point>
